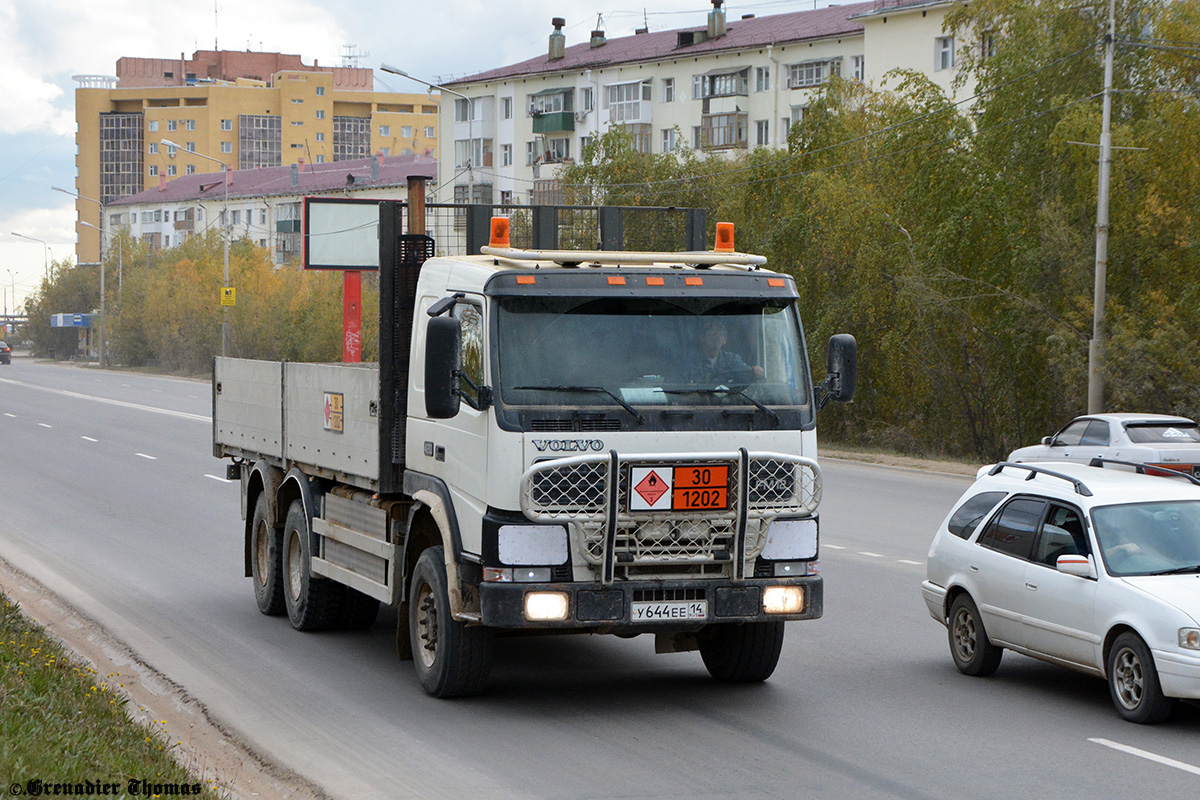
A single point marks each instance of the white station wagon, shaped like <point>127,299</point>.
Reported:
<point>1097,569</point>
<point>1173,442</point>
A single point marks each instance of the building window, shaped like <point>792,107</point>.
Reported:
<point>550,103</point>
<point>226,147</point>
<point>430,131</point>
<point>532,152</point>
<point>584,143</point>
<point>506,108</point>
<point>462,109</point>
<point>171,125</point>
<point>588,98</point>
<point>158,217</point>
<point>320,114</point>
<point>153,148</point>
<point>297,123</point>
<point>762,132</point>
<point>406,131</point>
<point>943,53</point>
<point>724,130</point>
<point>320,91</point>
<point>320,158</point>
<point>558,150</point>
<point>762,79</point>
<point>785,128</point>
<point>987,45</point>
<point>237,216</point>
<point>624,100</point>
<point>668,90</point>
<point>190,169</point>
<point>858,64</point>
<point>669,141</point>
<point>812,73</point>
<point>385,130</point>
<point>798,114</point>
<point>153,170</point>
<point>506,155</point>
<point>296,101</point>
<point>226,124</point>
<point>171,171</point>
<point>189,124</point>
<point>697,138</point>
<point>723,84</point>
<point>641,137</point>
<point>320,136</point>
<point>190,147</point>
<point>262,216</point>
<point>153,125</point>
<point>505,198</point>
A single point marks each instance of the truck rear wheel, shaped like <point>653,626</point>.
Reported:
<point>265,569</point>
<point>745,653</point>
<point>453,659</point>
<point>312,601</point>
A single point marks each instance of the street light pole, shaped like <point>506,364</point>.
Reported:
<point>225,234</point>
<point>45,248</point>
<point>1096,347</point>
<point>470,124</point>
<point>103,316</point>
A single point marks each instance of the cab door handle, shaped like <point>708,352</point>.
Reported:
<point>1031,586</point>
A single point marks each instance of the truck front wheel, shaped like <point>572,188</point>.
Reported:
<point>265,542</point>
<point>312,601</point>
<point>453,659</point>
<point>745,653</point>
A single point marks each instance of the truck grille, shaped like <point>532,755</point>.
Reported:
<point>576,491</point>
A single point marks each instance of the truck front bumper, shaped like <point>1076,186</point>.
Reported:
<point>503,605</point>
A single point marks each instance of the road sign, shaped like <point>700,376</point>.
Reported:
<point>228,296</point>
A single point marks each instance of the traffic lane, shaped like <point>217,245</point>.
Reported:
<point>178,394</point>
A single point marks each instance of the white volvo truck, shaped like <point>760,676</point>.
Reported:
<point>602,442</point>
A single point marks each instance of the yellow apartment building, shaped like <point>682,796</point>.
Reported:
<point>246,110</point>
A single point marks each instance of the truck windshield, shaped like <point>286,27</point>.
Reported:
<point>650,352</point>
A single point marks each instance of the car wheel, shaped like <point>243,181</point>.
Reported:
<point>1133,681</point>
<point>265,567</point>
<point>973,653</point>
<point>452,658</point>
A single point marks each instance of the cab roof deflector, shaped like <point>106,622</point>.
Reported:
<point>1080,487</point>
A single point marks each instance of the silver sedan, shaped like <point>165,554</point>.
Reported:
<point>1151,439</point>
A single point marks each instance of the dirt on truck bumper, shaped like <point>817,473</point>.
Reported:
<point>648,604</point>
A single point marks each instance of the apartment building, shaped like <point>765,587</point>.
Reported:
<point>728,87</point>
<point>247,110</point>
<point>263,204</point>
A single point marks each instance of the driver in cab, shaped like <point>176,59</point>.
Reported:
<point>716,364</point>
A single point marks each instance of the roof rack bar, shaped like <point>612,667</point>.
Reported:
<point>1101,461</point>
<point>704,257</point>
<point>1080,487</point>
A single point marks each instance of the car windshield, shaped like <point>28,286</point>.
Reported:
<point>650,352</point>
<point>1164,433</point>
<point>1149,538</point>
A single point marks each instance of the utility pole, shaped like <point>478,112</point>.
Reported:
<point>1096,348</point>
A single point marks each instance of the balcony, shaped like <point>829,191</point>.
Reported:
<point>552,121</point>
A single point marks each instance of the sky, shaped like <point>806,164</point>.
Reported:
<point>44,43</point>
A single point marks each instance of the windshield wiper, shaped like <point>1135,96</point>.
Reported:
<point>599,389</point>
<point>1194,568</point>
<point>726,390</point>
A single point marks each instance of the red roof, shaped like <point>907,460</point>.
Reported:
<point>331,176</point>
<point>741,34</point>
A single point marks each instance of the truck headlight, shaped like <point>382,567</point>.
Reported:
<point>546,606</point>
<point>783,600</point>
<point>1189,638</point>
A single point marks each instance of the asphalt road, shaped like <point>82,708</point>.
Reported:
<point>109,496</point>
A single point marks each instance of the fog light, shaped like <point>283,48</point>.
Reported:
<point>783,600</point>
<point>791,569</point>
<point>1189,638</point>
<point>546,606</point>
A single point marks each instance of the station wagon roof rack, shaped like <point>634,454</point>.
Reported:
<point>1080,487</point>
<point>1101,461</point>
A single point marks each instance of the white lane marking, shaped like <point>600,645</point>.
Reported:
<point>126,385</point>
<point>870,555</point>
<point>834,546</point>
<point>215,478</point>
<point>88,438</point>
<point>143,455</point>
<point>77,395</point>
<point>44,425</point>
<point>1133,751</point>
<point>906,561</point>
<point>14,416</point>
<point>194,396</point>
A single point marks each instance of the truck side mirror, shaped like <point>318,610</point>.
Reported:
<point>841,376</point>
<point>443,360</point>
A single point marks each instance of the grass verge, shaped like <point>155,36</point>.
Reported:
<point>63,725</point>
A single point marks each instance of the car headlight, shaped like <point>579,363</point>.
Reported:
<point>1189,638</point>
